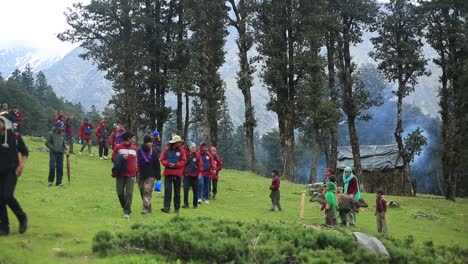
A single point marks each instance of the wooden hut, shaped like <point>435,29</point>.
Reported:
<point>381,168</point>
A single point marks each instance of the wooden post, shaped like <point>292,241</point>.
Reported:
<point>303,197</point>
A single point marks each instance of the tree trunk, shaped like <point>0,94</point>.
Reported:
<point>406,184</point>
<point>315,159</point>
<point>330,43</point>
<point>180,105</point>
<point>353,136</point>
<point>206,119</point>
<point>286,129</point>
<point>187,116</point>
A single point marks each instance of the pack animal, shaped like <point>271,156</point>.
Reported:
<point>345,204</point>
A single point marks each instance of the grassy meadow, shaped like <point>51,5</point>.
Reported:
<point>64,220</point>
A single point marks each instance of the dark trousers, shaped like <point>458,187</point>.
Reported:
<point>169,181</point>
<point>275,199</point>
<point>8,180</point>
<point>124,187</point>
<point>69,141</point>
<point>215,186</point>
<point>56,165</point>
<point>192,182</point>
<point>103,148</point>
<point>86,143</point>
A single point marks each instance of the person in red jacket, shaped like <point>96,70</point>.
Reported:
<point>85,135</point>
<point>60,116</point>
<point>116,136</point>
<point>191,176</point>
<point>173,158</point>
<point>218,167</point>
<point>125,169</point>
<point>103,138</point>
<point>275,193</point>
<point>206,169</point>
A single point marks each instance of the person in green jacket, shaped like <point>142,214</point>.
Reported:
<point>331,206</point>
<point>56,144</point>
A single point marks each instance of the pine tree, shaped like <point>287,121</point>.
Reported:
<point>399,53</point>
<point>27,78</point>
<point>352,17</point>
<point>208,25</point>
<point>242,22</point>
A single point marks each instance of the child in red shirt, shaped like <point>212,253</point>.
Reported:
<point>380,211</point>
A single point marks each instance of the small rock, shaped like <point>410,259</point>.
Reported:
<point>371,244</point>
<point>393,204</point>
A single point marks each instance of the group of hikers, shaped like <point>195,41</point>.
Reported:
<point>197,169</point>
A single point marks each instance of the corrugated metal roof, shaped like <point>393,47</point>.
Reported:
<point>373,157</point>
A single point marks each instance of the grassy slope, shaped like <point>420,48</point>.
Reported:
<point>64,220</point>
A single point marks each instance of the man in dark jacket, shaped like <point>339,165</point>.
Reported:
<point>103,138</point>
<point>56,144</point>
<point>13,156</point>
<point>191,176</point>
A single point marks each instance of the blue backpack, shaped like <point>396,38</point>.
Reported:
<point>87,130</point>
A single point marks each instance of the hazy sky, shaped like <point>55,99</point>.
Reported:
<point>34,23</point>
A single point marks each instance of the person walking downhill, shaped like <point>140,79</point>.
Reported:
<point>103,138</point>
<point>69,132</point>
<point>125,170</point>
<point>55,142</point>
<point>13,156</point>
<point>150,170</point>
<point>219,166</point>
<point>86,136</point>
<point>173,158</point>
<point>206,169</point>
<point>351,188</point>
<point>275,192</point>
<point>191,176</point>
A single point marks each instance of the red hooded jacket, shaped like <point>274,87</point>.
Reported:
<point>132,159</point>
<point>206,164</point>
<point>219,166</point>
<point>114,133</point>
<point>81,133</point>
<point>176,156</point>
<point>101,132</point>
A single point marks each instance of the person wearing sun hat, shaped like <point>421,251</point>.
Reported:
<point>55,142</point>
<point>13,156</point>
<point>173,158</point>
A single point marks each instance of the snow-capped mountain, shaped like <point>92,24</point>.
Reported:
<point>19,57</point>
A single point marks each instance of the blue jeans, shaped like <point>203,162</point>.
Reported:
<point>56,165</point>
<point>200,187</point>
<point>206,187</point>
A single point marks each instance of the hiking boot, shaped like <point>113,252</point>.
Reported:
<point>271,210</point>
<point>105,157</point>
<point>4,232</point>
<point>185,206</point>
<point>126,216</point>
<point>23,225</point>
<point>101,158</point>
<point>176,211</point>
<point>213,197</point>
<point>60,184</point>
<point>165,210</point>
<point>199,201</point>
<point>50,184</point>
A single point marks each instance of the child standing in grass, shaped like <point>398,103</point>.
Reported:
<point>275,193</point>
<point>380,212</point>
<point>331,205</point>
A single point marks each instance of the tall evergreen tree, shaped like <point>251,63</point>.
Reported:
<point>108,32</point>
<point>399,54</point>
<point>27,78</point>
<point>242,21</point>
<point>352,17</point>
<point>208,25</point>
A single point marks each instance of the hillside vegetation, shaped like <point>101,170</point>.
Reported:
<point>64,221</point>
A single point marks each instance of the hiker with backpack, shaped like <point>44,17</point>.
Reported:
<point>206,169</point>
<point>125,159</point>
<point>85,134</point>
<point>103,139</point>
<point>116,136</point>
<point>69,132</point>
<point>173,158</point>
<point>55,142</point>
<point>150,171</point>
<point>13,156</point>
<point>191,176</point>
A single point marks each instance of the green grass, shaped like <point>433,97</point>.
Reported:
<point>64,220</point>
